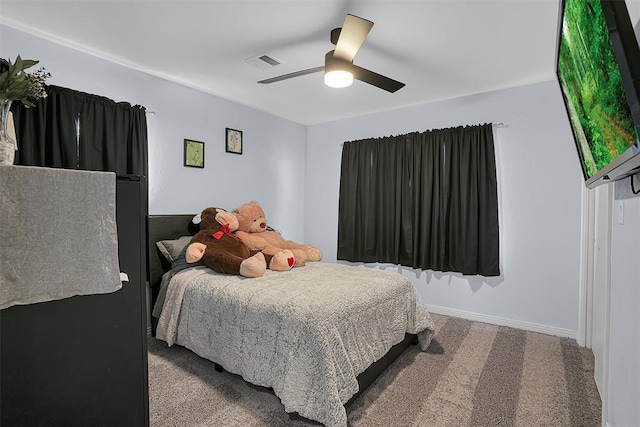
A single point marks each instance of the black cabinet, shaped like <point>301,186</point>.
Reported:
<point>82,361</point>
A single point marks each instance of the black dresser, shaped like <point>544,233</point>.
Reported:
<point>82,361</point>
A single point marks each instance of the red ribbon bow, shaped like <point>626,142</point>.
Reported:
<point>224,230</point>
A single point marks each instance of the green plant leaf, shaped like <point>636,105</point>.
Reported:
<point>28,63</point>
<point>19,85</point>
<point>18,64</point>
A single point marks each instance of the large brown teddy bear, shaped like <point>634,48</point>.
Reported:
<point>222,251</point>
<point>252,230</point>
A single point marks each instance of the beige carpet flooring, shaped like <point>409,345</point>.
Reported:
<point>473,374</point>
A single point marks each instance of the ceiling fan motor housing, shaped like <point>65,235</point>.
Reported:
<point>331,63</point>
<point>337,71</point>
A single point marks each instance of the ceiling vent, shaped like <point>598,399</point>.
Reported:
<point>263,61</point>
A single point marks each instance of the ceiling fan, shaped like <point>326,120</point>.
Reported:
<point>339,69</point>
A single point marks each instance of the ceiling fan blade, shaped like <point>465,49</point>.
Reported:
<point>353,33</point>
<point>291,75</point>
<point>376,79</point>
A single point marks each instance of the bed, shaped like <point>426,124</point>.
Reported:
<point>317,335</point>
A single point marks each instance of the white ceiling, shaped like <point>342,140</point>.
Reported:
<point>440,49</point>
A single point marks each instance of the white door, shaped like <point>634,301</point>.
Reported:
<point>596,282</point>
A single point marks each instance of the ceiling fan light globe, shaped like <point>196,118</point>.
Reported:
<point>338,78</point>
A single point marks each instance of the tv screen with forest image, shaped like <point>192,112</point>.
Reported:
<point>597,55</point>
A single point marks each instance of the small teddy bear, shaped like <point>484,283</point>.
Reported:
<point>252,230</point>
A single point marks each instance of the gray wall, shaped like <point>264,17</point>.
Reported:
<point>270,170</point>
<point>539,203</point>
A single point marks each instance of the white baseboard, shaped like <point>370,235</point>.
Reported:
<point>518,324</point>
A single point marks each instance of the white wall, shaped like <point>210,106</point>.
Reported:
<point>633,6</point>
<point>624,350</point>
<point>624,345</point>
<point>270,170</point>
<point>539,190</point>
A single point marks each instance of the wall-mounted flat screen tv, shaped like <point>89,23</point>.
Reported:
<point>598,68</point>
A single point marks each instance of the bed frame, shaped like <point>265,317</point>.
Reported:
<point>162,227</point>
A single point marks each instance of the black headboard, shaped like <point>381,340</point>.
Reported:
<point>162,227</point>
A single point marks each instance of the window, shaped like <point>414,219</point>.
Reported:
<point>423,200</point>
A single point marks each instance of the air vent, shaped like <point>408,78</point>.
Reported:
<point>263,61</point>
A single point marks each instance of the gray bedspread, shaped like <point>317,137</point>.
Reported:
<point>306,333</point>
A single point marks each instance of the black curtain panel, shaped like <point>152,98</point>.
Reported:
<point>113,136</point>
<point>423,200</point>
<point>77,130</point>
<point>46,134</point>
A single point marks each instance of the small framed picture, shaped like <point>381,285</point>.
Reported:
<point>193,153</point>
<point>233,141</point>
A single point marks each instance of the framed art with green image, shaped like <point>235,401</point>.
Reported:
<point>193,153</point>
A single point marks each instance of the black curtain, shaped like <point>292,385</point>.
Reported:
<point>76,130</point>
<point>423,200</point>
